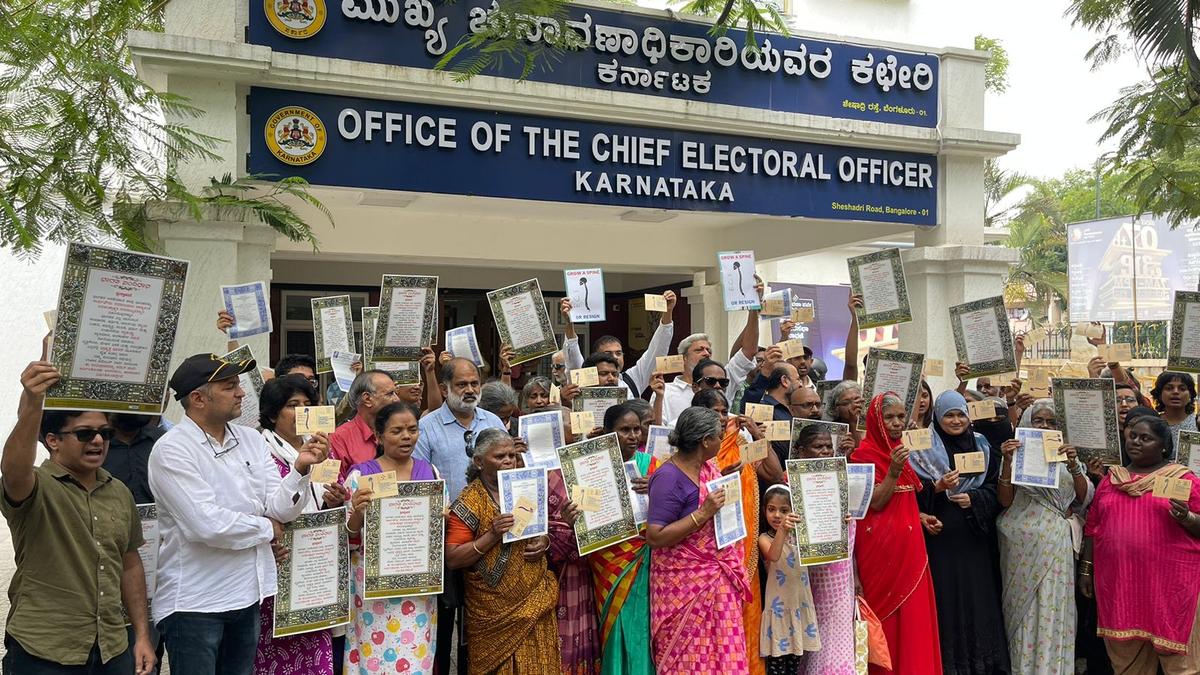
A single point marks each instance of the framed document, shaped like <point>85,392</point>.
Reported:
<point>597,400</point>
<point>148,551</point>
<point>1087,410</point>
<point>982,337</point>
<point>894,371</point>
<point>404,541</point>
<point>836,430</point>
<point>523,494</point>
<point>370,317</point>
<point>314,581</point>
<point>462,344</point>
<point>251,383</point>
<point>737,280</point>
<point>1188,453</point>
<point>819,497</point>
<point>333,329</point>
<point>115,332</point>
<point>1029,461</point>
<point>596,463</point>
<point>860,486</point>
<point>640,503</point>
<point>544,435</point>
<point>407,315</point>
<point>657,443</point>
<point>879,278</point>
<point>586,290</point>
<point>729,524</point>
<point>404,373</point>
<point>522,321</point>
<point>1183,353</point>
<point>250,307</point>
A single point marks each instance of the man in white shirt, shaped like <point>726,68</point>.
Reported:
<point>637,378</point>
<point>221,504</point>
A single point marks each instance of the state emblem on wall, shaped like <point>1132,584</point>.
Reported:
<point>295,135</point>
<point>297,19</point>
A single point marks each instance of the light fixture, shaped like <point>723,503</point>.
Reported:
<point>648,215</point>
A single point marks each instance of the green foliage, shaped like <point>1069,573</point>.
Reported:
<point>79,131</point>
<point>535,34</point>
<point>1155,123</point>
<point>996,73</point>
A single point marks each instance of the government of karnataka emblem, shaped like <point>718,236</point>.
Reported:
<point>297,19</point>
<point>295,135</point>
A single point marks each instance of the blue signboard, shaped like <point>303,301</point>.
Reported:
<point>625,52</point>
<point>393,145</point>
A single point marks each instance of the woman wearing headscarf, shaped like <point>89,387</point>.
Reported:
<point>697,591</point>
<point>1140,557</point>
<point>961,556</point>
<point>890,550</point>
<point>1038,542</point>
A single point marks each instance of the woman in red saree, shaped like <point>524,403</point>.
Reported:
<point>890,546</point>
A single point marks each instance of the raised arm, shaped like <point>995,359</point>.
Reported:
<point>850,371</point>
<point>660,343</point>
<point>572,356</point>
<point>20,450</point>
<point>429,380</point>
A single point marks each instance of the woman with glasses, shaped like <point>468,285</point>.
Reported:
<point>307,653</point>
<point>511,594</point>
<point>1040,531</point>
<point>392,634</point>
<point>697,591</point>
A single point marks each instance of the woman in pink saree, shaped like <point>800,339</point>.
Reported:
<point>696,591</point>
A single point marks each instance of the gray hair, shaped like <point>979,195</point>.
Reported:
<point>446,374</point>
<point>890,400</point>
<point>538,382</point>
<point>484,442</point>
<point>831,398</point>
<point>495,396</point>
<point>688,341</point>
<point>205,389</point>
<point>362,385</point>
<point>639,405</point>
<point>974,395</point>
<point>1036,407</point>
<point>693,426</point>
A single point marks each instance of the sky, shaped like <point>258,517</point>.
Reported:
<point>1052,94</point>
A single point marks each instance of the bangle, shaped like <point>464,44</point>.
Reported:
<point>1085,567</point>
<point>693,515</point>
<point>1004,481</point>
<point>506,372</point>
<point>350,531</point>
<point>476,547</point>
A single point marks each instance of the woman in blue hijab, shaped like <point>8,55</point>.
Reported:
<point>962,556</point>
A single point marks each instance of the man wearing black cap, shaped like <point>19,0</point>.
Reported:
<point>221,504</point>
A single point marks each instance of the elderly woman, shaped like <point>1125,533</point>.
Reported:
<point>961,558</point>
<point>390,634</point>
<point>696,591</point>
<point>307,653</point>
<point>621,572</point>
<point>1145,551</point>
<point>1037,555</point>
<point>889,549</point>
<point>510,591</point>
<point>500,400</point>
<point>535,395</point>
<point>832,584</point>
<point>844,403</point>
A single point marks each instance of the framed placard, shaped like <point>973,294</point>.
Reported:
<point>597,400</point>
<point>522,321</point>
<point>1183,353</point>
<point>115,330</point>
<point>370,318</point>
<point>407,316</point>
<point>597,463</point>
<point>820,497</point>
<point>333,329</point>
<point>894,371</point>
<point>252,384</point>
<point>1187,450</point>
<point>314,580</point>
<point>1087,411</point>
<point>982,337</point>
<point>836,430</point>
<point>879,278</point>
<point>404,540</point>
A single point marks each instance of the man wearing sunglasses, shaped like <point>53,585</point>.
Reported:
<point>637,378</point>
<point>221,506</point>
<point>75,531</point>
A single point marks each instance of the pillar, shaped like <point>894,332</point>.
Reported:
<point>708,311</point>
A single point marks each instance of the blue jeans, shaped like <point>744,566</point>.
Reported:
<point>221,643</point>
<point>17,661</point>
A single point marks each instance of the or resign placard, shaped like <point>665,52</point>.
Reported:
<point>737,280</point>
<point>586,290</point>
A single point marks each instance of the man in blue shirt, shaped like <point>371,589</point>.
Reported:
<point>447,437</point>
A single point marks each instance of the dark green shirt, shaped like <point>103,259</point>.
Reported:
<point>69,546</point>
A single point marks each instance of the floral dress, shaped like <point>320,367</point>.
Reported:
<point>789,619</point>
<point>392,635</point>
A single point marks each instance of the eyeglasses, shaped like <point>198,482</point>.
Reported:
<point>218,454</point>
<point>810,405</point>
<point>86,435</point>
<point>313,381</point>
<point>721,382</point>
<point>559,366</point>
<point>469,442</point>
<point>1126,399</point>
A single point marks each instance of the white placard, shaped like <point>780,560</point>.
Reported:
<point>250,306</point>
<point>657,444</point>
<point>860,486</point>
<point>640,503</point>
<point>343,363</point>
<point>462,343</point>
<point>737,280</point>
<point>586,290</point>
<point>730,521</point>
<point>528,483</point>
<point>544,435</point>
